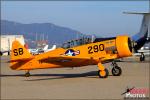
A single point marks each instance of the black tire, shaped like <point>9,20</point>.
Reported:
<point>116,71</point>
<point>142,58</point>
<point>27,74</point>
<point>1,53</point>
<point>106,73</point>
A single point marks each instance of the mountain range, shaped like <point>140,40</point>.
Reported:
<point>39,31</point>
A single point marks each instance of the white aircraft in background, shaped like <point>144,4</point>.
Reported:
<point>41,50</point>
<point>145,50</point>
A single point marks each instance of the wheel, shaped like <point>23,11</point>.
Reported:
<point>103,73</point>
<point>27,74</point>
<point>1,53</point>
<point>116,71</point>
<point>142,58</point>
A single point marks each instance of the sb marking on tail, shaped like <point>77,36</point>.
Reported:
<point>19,51</point>
<point>19,55</point>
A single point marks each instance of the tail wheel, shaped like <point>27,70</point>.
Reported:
<point>103,73</point>
<point>1,53</point>
<point>27,74</point>
<point>116,71</point>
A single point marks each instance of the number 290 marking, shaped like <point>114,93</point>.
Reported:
<point>95,48</point>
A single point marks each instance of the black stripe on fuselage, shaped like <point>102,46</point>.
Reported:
<point>103,39</point>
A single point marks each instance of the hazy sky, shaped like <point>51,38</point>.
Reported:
<point>103,18</point>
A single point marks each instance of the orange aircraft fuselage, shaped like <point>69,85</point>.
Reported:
<point>87,54</point>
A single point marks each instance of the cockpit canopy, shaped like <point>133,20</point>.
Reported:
<point>84,40</point>
<point>78,42</point>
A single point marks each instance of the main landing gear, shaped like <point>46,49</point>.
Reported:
<point>116,70</point>
<point>142,57</point>
<point>103,72</point>
<point>27,74</point>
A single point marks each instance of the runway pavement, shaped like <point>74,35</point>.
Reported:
<point>73,83</point>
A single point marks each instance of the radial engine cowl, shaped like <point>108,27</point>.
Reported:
<point>124,46</point>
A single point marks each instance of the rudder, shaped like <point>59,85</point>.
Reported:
<point>18,51</point>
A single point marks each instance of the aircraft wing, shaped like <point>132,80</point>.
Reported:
<point>61,58</point>
<point>67,59</point>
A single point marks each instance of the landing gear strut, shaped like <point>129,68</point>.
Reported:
<point>116,70</point>
<point>102,72</point>
<point>142,57</point>
<point>27,74</point>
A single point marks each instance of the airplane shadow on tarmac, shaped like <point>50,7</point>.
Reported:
<point>91,74</point>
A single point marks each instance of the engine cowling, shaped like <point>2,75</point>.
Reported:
<point>124,46</point>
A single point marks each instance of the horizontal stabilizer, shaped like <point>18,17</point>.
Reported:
<point>22,59</point>
<point>138,13</point>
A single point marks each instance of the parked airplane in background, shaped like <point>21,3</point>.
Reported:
<point>143,51</point>
<point>143,35</point>
<point>76,54</point>
<point>41,50</point>
<point>4,51</point>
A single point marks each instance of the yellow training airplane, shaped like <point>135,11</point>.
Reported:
<point>95,53</point>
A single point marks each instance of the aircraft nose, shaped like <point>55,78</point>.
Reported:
<point>124,46</point>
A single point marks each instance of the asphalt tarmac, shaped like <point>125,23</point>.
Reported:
<point>73,83</point>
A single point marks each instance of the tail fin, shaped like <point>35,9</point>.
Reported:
<point>45,47</point>
<point>53,47</point>
<point>19,52</point>
<point>19,56</point>
<point>144,34</point>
